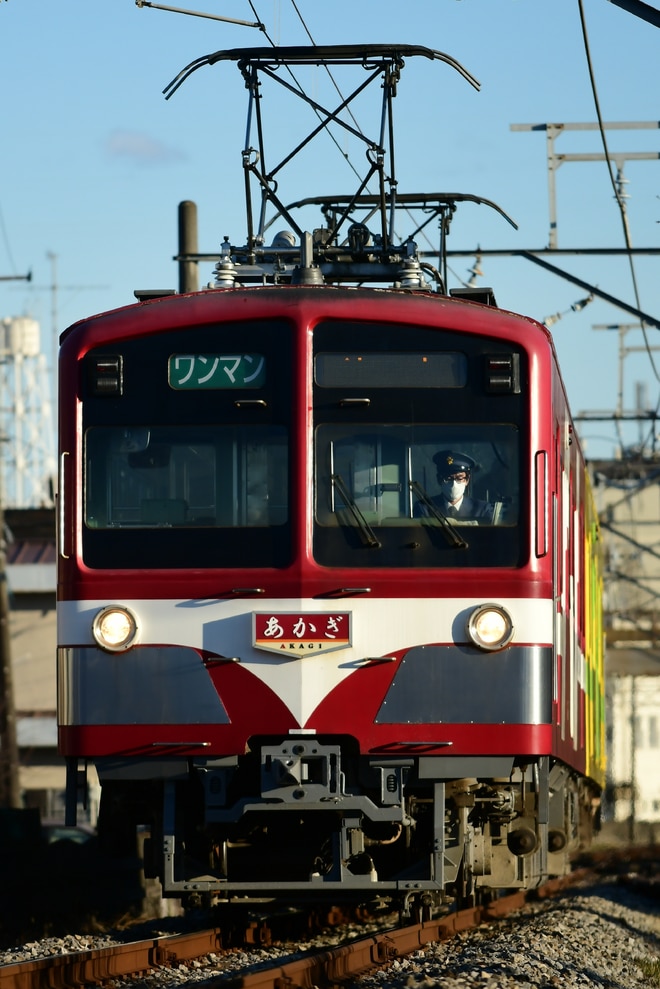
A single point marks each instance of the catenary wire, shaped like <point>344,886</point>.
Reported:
<point>329,132</point>
<point>345,155</point>
<point>617,195</point>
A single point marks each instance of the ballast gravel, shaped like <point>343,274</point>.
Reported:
<point>606,936</point>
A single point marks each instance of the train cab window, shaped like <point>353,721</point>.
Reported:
<point>174,476</point>
<point>229,480</point>
<point>384,495</point>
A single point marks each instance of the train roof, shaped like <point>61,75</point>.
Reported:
<point>158,310</point>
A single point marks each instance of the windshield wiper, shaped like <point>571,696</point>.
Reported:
<point>367,533</point>
<point>448,529</point>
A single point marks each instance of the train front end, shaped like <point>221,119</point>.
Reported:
<point>283,654</point>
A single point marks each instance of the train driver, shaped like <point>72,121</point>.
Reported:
<point>454,475</point>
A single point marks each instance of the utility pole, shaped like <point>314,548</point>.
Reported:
<point>54,288</point>
<point>622,329</point>
<point>10,791</point>
<point>555,159</point>
<point>633,760</point>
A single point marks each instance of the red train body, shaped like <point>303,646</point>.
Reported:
<point>282,654</point>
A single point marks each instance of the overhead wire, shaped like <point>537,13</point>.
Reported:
<point>355,172</point>
<point>332,79</point>
<point>344,155</point>
<point>300,87</point>
<point>617,194</point>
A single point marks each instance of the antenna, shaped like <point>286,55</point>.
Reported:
<point>55,288</point>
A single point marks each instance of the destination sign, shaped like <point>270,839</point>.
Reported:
<point>391,370</point>
<point>199,371</point>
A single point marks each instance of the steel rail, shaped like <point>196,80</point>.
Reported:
<point>102,965</point>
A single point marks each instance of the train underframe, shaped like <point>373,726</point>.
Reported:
<point>301,816</point>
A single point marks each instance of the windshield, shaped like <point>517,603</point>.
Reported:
<point>157,476</point>
<point>198,496</point>
<point>416,495</point>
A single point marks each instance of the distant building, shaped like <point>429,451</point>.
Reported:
<point>628,498</point>
<point>31,578</point>
<point>635,749</point>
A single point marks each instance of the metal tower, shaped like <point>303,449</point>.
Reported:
<point>27,438</point>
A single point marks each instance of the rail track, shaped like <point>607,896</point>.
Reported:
<point>637,868</point>
<point>317,968</point>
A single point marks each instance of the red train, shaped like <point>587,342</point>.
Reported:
<point>329,597</point>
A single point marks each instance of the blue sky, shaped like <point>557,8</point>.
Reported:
<point>95,160</point>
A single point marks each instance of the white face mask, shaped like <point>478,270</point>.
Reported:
<point>453,490</point>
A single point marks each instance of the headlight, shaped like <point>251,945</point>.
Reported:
<point>115,629</point>
<point>490,626</point>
